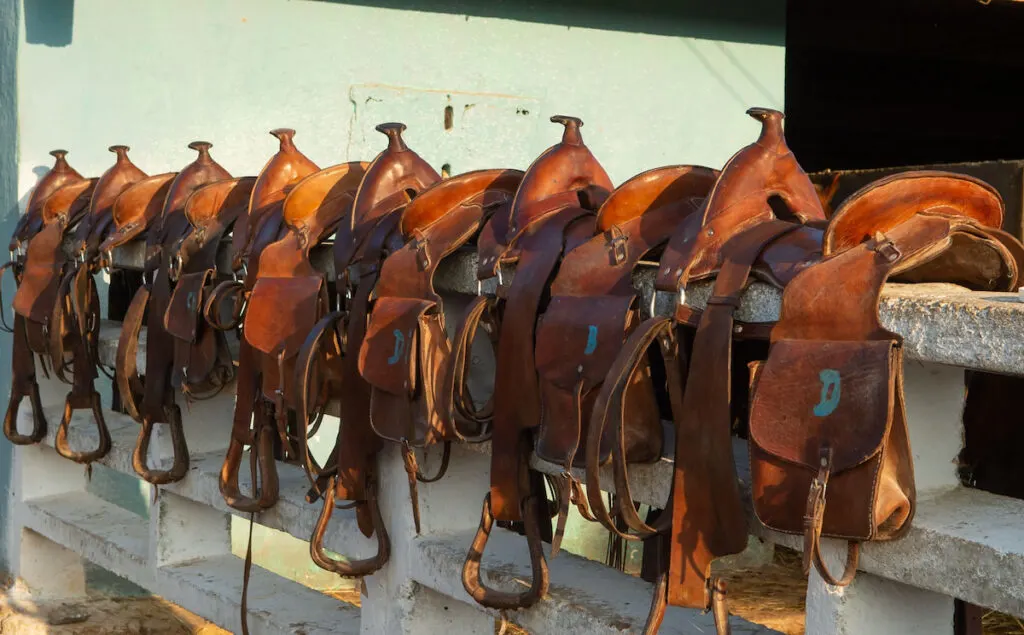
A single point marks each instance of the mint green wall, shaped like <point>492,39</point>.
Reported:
<point>656,82</point>
<point>160,73</point>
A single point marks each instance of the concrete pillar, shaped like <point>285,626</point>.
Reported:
<point>391,602</point>
<point>871,605</point>
<point>934,398</point>
<point>48,569</point>
<point>182,530</point>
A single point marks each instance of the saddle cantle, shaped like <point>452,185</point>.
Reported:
<point>827,405</point>
<point>31,221</point>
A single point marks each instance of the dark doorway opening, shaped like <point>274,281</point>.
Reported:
<point>884,83</point>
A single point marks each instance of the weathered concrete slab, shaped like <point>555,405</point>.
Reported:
<point>291,515</point>
<point>585,597</point>
<point>212,588</point>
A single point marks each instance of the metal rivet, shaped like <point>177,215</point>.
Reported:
<point>739,329</point>
<point>711,231</point>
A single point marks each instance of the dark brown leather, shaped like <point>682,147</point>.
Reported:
<point>594,307</point>
<point>404,355</point>
<point>365,238</point>
<point>827,407</point>
<point>552,213</point>
<point>158,402</point>
<point>31,221</point>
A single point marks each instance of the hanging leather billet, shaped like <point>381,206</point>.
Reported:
<point>829,450</point>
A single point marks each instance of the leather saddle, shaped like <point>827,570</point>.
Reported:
<point>31,221</point>
<point>827,420</point>
<point>762,219</point>
<point>39,276</point>
<point>405,353</point>
<point>362,243</point>
<point>593,308</point>
<point>163,232</point>
<point>284,297</point>
<point>77,307</point>
<point>553,212</point>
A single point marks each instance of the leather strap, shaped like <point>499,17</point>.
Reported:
<point>15,267</point>
<point>516,392</point>
<point>126,373</point>
<point>23,385</point>
<point>461,409</point>
<point>708,519</point>
<point>610,408</point>
<point>813,520</point>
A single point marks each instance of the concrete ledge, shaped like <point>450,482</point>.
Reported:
<point>966,544</point>
<point>585,597</point>
<point>101,532</point>
<point>291,515</point>
<point>212,587</point>
<point>117,540</point>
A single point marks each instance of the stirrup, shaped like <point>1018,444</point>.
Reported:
<point>80,401</point>
<point>504,600</point>
<point>179,467</point>
<point>263,447</point>
<point>39,425</point>
<point>350,568</point>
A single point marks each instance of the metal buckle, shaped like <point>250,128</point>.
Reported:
<point>617,241</point>
<point>884,246</point>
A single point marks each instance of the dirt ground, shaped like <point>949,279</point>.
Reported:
<point>102,615</point>
<point>772,595</point>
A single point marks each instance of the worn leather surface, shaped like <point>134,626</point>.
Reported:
<point>594,307</point>
<point>31,221</point>
<point>405,354</point>
<point>833,379</point>
<point>284,170</point>
<point>758,176</point>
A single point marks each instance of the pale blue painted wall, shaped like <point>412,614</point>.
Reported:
<point>654,86</point>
